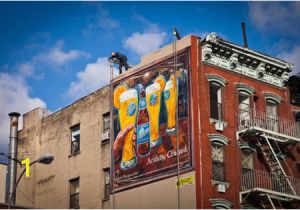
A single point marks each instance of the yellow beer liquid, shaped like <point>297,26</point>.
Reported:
<point>153,100</point>
<point>171,101</point>
<point>128,98</point>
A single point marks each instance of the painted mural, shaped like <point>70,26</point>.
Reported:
<point>145,123</point>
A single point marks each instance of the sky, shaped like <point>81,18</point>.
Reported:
<point>53,53</point>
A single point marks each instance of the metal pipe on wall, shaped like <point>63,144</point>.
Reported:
<point>13,146</point>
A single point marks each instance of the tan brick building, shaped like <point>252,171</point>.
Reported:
<point>3,169</point>
<point>236,136</point>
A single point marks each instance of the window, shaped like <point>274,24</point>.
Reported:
<point>106,176</point>
<point>215,101</point>
<point>218,169</point>
<point>75,139</point>
<point>106,122</point>
<point>247,160</point>
<point>272,119</point>
<point>74,193</point>
<point>244,109</point>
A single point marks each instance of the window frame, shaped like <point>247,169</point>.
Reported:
<point>75,149</point>
<point>106,183</point>
<point>218,165</point>
<point>106,126</point>
<point>75,195</point>
<point>219,103</point>
<point>252,155</point>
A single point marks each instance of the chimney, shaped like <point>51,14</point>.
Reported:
<point>244,35</point>
<point>13,146</point>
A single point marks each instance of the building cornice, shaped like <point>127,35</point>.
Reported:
<point>229,56</point>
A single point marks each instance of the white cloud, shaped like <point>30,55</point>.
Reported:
<point>144,43</point>
<point>101,20</point>
<point>56,55</point>
<point>292,57</point>
<point>279,17</point>
<point>14,97</point>
<point>94,76</point>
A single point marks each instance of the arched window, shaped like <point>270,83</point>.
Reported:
<point>216,84</point>
<point>218,143</point>
<point>272,101</point>
<point>219,203</point>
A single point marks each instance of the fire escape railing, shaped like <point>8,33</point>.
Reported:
<point>268,181</point>
<point>259,119</point>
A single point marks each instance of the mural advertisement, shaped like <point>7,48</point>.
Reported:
<point>145,123</point>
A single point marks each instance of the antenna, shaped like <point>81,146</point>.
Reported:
<point>244,35</point>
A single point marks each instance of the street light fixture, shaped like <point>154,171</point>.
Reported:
<point>46,159</point>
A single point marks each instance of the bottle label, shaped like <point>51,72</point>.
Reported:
<point>142,103</point>
<point>143,133</point>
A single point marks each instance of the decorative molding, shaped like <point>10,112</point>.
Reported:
<point>245,145</point>
<point>274,97</point>
<point>217,79</point>
<point>245,88</point>
<point>219,138</point>
<point>228,56</point>
<point>220,202</point>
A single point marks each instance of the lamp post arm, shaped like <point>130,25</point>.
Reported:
<point>12,196</point>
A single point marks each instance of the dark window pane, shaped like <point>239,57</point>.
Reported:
<point>215,101</point>
<point>75,139</point>
<point>106,122</point>
<point>218,171</point>
<point>74,193</point>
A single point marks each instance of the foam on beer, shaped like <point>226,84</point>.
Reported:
<point>128,94</point>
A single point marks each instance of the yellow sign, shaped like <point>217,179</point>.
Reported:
<point>185,181</point>
<point>26,162</point>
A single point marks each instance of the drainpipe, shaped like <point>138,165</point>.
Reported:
<point>13,146</point>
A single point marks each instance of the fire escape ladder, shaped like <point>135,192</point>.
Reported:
<point>267,202</point>
<point>280,177</point>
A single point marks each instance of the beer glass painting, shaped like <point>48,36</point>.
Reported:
<point>153,101</point>
<point>144,119</point>
<point>170,96</point>
<point>127,101</point>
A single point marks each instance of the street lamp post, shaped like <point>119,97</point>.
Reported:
<point>46,159</point>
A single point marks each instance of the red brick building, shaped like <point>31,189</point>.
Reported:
<point>244,135</point>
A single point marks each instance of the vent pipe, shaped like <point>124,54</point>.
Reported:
<point>244,35</point>
<point>12,165</point>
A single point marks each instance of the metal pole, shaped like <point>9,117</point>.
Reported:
<point>177,143</point>
<point>13,146</point>
<point>112,132</point>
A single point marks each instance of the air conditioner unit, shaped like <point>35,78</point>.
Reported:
<point>221,188</point>
<point>219,126</point>
<point>105,135</point>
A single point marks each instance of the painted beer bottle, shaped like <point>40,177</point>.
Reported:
<point>143,127</point>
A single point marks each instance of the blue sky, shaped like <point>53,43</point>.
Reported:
<point>52,53</point>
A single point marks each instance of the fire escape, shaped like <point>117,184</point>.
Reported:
<point>275,188</point>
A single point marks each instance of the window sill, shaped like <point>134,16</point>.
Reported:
<point>105,199</point>
<point>213,121</point>
<point>216,182</point>
<point>105,141</point>
<point>75,154</point>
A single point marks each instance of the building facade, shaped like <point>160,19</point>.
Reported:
<point>213,127</point>
<point>3,168</point>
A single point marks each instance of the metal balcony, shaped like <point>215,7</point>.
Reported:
<point>277,128</point>
<point>262,182</point>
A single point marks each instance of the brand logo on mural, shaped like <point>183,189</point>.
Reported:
<point>167,94</point>
<point>131,109</point>
<point>143,133</point>
<point>153,99</point>
<point>142,103</point>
